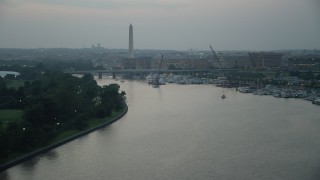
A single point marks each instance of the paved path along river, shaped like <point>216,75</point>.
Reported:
<point>189,132</point>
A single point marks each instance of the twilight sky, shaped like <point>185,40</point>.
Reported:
<point>161,24</point>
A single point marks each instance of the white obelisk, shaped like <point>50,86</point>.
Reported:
<point>130,41</point>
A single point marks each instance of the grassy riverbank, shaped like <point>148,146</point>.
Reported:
<point>15,83</point>
<point>10,115</point>
<point>61,138</point>
<point>91,124</point>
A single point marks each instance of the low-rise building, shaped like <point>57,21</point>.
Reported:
<point>266,59</point>
<point>304,63</point>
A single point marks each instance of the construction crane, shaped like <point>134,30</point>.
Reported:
<point>222,80</point>
<point>215,56</point>
<point>157,78</point>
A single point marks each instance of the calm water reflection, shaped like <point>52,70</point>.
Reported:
<point>189,132</point>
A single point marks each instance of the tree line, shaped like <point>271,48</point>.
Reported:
<point>51,103</point>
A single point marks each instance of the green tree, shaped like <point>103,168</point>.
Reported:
<point>53,102</point>
<point>307,76</point>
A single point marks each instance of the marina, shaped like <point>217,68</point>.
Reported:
<point>312,95</point>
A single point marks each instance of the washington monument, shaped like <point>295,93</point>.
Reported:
<point>130,41</point>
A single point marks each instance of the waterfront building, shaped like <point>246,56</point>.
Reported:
<point>266,59</point>
<point>235,59</point>
<point>304,63</point>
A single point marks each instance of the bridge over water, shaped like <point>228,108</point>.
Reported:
<point>132,72</point>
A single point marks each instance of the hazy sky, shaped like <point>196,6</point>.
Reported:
<point>161,24</point>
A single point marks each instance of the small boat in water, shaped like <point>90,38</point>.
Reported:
<point>223,96</point>
<point>316,101</point>
<point>155,85</point>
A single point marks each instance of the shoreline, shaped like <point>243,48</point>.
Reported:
<point>47,148</point>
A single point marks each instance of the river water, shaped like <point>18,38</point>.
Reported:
<point>188,132</point>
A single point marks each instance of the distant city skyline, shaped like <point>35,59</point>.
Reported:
<point>161,24</point>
